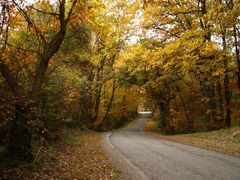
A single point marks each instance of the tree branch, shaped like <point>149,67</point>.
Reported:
<point>44,12</point>
<point>26,50</point>
<point>30,22</point>
<point>70,11</point>
<point>10,79</point>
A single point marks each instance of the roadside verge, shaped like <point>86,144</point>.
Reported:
<point>129,171</point>
<point>224,140</point>
<point>78,155</point>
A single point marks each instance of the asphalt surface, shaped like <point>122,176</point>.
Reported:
<point>141,156</point>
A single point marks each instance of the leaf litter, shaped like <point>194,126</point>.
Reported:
<point>78,155</point>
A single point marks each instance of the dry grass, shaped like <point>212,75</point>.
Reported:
<point>224,140</point>
<point>77,156</point>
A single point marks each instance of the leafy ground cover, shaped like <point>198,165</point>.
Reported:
<point>78,155</point>
<point>224,140</point>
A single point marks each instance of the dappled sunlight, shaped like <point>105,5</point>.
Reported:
<point>144,112</point>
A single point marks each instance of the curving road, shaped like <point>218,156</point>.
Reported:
<point>141,156</point>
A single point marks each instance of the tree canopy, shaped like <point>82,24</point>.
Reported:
<point>92,64</point>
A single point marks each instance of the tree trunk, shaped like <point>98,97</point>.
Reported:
<point>99,85</point>
<point>164,117</point>
<point>226,85</point>
<point>19,141</point>
<point>11,80</point>
<point>85,107</point>
<point>211,105</point>
<point>237,56</point>
<point>220,110</point>
<point>111,99</point>
<point>230,5</point>
<point>97,103</point>
<point>49,50</point>
<point>19,136</point>
<point>190,121</point>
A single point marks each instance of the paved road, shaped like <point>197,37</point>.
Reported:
<point>142,156</point>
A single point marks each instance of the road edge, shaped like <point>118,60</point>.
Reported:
<point>157,134</point>
<point>128,170</point>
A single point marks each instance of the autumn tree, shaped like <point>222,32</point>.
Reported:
<point>19,141</point>
<point>186,51</point>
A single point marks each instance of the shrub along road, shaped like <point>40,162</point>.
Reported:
<point>143,156</point>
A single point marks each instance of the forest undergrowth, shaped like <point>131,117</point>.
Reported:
<point>77,155</point>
